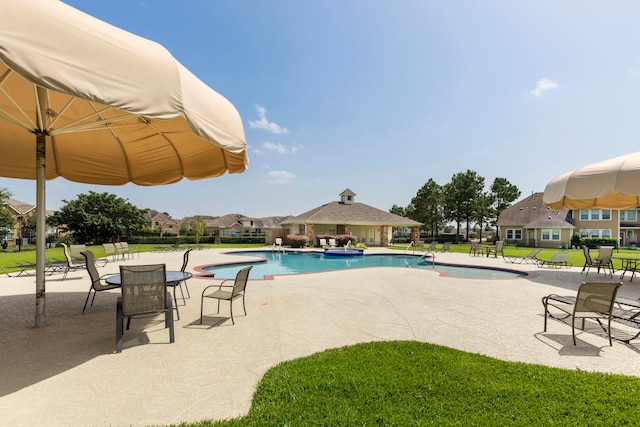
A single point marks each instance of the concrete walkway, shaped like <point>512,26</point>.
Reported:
<point>67,374</point>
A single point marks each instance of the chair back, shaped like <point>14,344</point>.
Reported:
<point>119,249</point>
<point>587,255</point>
<point>446,246</point>
<point>323,242</point>
<point>92,270</point>
<point>109,249</point>
<point>432,245</point>
<point>559,257</point>
<point>279,241</point>
<point>605,253</point>
<point>241,280</point>
<point>596,297</point>
<point>533,253</point>
<point>144,289</point>
<point>76,250</point>
<point>475,246</point>
<point>67,256</point>
<point>185,260</point>
<point>499,245</point>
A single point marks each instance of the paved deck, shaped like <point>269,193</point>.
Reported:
<point>67,374</point>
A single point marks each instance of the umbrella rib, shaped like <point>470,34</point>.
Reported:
<point>161,134</point>
<point>28,124</point>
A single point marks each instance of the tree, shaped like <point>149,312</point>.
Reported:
<point>461,198</point>
<point>99,217</point>
<point>198,226</point>
<point>7,221</point>
<point>398,210</point>
<point>503,194</point>
<point>426,207</point>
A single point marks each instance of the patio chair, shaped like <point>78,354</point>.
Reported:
<point>174,285</point>
<point>602,261</point>
<point>332,243</point>
<point>235,291</point>
<point>109,251</point>
<point>446,247</point>
<point>476,249</point>
<point>432,246</point>
<point>97,284</point>
<point>71,264</point>
<point>559,259</point>
<point>322,242</point>
<point>593,301</point>
<point>144,294</point>
<point>531,258</point>
<point>497,249</point>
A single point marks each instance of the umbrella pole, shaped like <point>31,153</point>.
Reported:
<point>40,228</point>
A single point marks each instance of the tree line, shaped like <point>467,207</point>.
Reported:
<point>462,200</point>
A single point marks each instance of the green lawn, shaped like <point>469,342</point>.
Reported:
<point>410,383</point>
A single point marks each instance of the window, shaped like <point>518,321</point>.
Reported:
<point>628,215</point>
<point>595,214</point>
<point>514,234</point>
<point>551,234</point>
<point>595,233</point>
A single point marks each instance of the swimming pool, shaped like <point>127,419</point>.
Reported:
<point>295,262</point>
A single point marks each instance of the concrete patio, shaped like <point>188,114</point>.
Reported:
<point>67,373</point>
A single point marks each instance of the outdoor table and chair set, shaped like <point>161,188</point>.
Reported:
<point>599,301</point>
<point>145,292</point>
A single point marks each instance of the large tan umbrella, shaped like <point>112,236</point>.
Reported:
<point>84,100</point>
<point>609,184</point>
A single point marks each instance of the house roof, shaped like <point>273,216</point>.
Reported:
<point>531,212</point>
<point>354,214</point>
<point>21,208</point>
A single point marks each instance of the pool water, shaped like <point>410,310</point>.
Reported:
<point>292,262</point>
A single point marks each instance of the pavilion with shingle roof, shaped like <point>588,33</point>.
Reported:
<point>371,226</point>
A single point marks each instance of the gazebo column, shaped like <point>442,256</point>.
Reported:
<point>310,234</point>
<point>415,235</point>
<point>384,235</point>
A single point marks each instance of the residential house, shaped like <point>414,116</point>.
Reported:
<point>162,222</point>
<point>369,225</point>
<point>21,212</point>
<point>530,223</point>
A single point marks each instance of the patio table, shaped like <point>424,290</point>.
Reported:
<point>628,264</point>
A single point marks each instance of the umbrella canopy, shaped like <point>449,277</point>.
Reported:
<point>609,184</point>
<point>84,100</point>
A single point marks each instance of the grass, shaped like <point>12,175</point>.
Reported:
<point>406,383</point>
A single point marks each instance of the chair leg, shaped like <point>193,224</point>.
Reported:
<point>87,300</point>
<point>573,329</point>
<point>168,319</point>
<point>231,311</point>
<point>176,301</point>
<point>119,322</point>
<point>243,307</point>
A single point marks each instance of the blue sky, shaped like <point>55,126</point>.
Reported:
<point>381,96</point>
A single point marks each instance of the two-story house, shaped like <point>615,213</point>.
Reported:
<point>529,222</point>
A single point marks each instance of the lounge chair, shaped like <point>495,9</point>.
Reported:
<point>144,293</point>
<point>559,259</point>
<point>593,301</point>
<point>322,242</point>
<point>497,249</point>
<point>332,243</point>
<point>602,261</point>
<point>23,267</point>
<point>531,258</point>
<point>96,279</point>
<point>235,291</point>
<point>432,246</point>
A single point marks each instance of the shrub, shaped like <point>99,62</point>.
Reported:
<point>596,242</point>
<point>298,240</point>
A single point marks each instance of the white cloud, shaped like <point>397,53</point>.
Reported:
<point>279,177</point>
<point>263,123</point>
<point>543,85</point>
<point>270,146</point>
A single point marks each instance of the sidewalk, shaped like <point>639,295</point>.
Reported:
<point>67,374</point>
